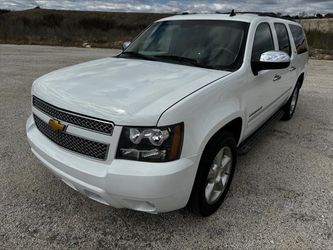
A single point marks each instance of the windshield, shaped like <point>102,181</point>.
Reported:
<point>214,44</point>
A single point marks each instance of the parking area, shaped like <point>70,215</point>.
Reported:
<point>281,196</point>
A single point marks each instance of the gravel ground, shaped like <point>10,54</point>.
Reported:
<point>281,196</point>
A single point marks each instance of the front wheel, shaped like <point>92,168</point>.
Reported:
<point>214,175</point>
<point>290,106</point>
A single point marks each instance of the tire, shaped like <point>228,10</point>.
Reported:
<point>290,107</point>
<point>203,202</point>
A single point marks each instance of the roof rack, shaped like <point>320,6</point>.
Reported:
<point>234,13</point>
<point>268,14</point>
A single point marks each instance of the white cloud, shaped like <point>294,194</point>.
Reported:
<point>196,6</point>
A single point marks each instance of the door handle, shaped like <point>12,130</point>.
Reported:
<point>276,78</point>
<point>292,68</point>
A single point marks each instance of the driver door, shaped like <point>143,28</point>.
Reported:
<point>261,93</point>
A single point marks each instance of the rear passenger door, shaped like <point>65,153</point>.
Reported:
<point>300,48</point>
<point>284,79</point>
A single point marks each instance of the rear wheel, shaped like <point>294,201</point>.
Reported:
<point>214,175</point>
<point>290,106</point>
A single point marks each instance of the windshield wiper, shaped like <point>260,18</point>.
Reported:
<point>185,60</point>
<point>137,55</point>
<point>177,59</point>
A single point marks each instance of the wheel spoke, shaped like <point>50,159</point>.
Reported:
<point>226,160</point>
<point>218,175</point>
<point>218,158</point>
<point>225,178</point>
<point>210,191</point>
<point>212,173</point>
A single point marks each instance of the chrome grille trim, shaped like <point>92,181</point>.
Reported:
<point>79,120</point>
<point>74,143</point>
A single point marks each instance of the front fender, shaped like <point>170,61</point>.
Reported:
<point>204,113</point>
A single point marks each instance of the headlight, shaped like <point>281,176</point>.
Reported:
<point>157,144</point>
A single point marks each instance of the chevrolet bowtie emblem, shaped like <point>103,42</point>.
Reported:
<point>56,125</point>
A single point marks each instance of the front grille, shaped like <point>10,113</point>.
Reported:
<point>80,145</point>
<point>70,117</point>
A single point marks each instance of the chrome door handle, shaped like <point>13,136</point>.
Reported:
<point>292,68</point>
<point>276,78</point>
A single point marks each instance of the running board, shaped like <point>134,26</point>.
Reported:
<point>247,145</point>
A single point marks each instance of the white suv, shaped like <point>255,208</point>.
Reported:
<point>157,127</point>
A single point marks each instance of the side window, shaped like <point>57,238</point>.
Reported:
<point>283,38</point>
<point>263,41</point>
<point>299,38</point>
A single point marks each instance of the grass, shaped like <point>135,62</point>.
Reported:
<point>72,28</point>
<point>320,43</point>
<point>320,40</point>
<point>99,29</point>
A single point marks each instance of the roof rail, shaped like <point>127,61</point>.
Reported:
<point>269,14</point>
<point>234,13</point>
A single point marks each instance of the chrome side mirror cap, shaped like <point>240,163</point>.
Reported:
<point>271,60</point>
<point>126,44</point>
<point>275,57</point>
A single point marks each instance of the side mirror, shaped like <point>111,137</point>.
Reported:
<point>126,44</point>
<point>271,60</point>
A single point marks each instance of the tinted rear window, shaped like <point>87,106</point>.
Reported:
<point>283,38</point>
<point>299,38</point>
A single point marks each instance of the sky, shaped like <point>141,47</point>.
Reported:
<point>196,6</point>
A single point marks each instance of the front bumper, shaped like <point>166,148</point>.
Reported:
<point>141,186</point>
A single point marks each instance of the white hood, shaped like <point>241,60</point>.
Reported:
<point>125,91</point>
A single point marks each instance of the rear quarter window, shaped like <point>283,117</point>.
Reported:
<point>299,38</point>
